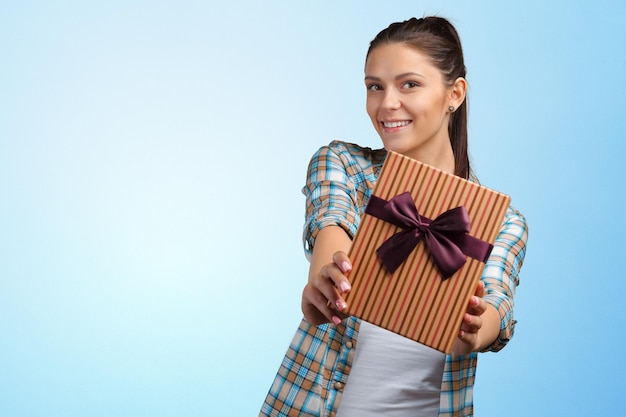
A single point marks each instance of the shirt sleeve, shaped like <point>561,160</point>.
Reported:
<point>331,197</point>
<point>501,273</point>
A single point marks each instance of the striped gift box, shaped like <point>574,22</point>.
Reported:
<point>415,301</point>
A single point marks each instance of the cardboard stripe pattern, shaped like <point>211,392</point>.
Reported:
<point>415,301</point>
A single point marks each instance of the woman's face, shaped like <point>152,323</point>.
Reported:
<point>408,101</point>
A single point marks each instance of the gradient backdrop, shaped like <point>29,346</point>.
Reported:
<point>151,160</point>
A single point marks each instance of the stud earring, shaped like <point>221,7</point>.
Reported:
<point>451,109</point>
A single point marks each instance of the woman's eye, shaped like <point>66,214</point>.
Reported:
<point>410,84</point>
<point>374,87</point>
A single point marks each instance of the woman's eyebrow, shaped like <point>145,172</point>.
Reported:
<point>409,74</point>
<point>398,77</point>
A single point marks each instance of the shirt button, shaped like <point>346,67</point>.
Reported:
<point>349,345</point>
<point>338,385</point>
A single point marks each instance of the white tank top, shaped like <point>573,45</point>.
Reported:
<point>391,376</point>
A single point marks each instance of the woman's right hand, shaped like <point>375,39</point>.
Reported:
<point>322,299</point>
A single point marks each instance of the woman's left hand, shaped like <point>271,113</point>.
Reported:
<point>469,337</point>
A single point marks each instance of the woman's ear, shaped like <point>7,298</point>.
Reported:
<point>458,92</point>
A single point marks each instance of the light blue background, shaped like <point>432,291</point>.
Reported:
<point>151,159</point>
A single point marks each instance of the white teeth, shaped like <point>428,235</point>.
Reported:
<point>395,124</point>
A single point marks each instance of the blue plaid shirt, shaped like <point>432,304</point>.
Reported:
<point>310,380</point>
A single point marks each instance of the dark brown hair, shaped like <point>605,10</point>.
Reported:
<point>437,38</point>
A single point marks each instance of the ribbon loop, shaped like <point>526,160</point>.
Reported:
<point>446,237</point>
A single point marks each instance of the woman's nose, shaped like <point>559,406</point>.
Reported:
<point>391,99</point>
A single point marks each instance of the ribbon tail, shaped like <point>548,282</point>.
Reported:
<point>397,248</point>
<point>446,254</point>
<point>473,247</point>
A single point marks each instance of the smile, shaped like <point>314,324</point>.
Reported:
<point>391,125</point>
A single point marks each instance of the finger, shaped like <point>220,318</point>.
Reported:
<point>345,266</point>
<point>332,283</point>
<point>338,305</point>
<point>338,315</point>
<point>471,324</point>
<point>477,306</point>
<point>342,261</point>
<point>468,340</point>
<point>480,289</point>
<point>317,308</point>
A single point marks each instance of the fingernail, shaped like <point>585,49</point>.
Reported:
<point>341,305</point>
<point>336,320</point>
<point>344,286</point>
<point>346,267</point>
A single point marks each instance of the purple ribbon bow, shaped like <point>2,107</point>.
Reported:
<point>446,236</point>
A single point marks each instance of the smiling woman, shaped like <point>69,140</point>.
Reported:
<point>152,155</point>
<point>340,365</point>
